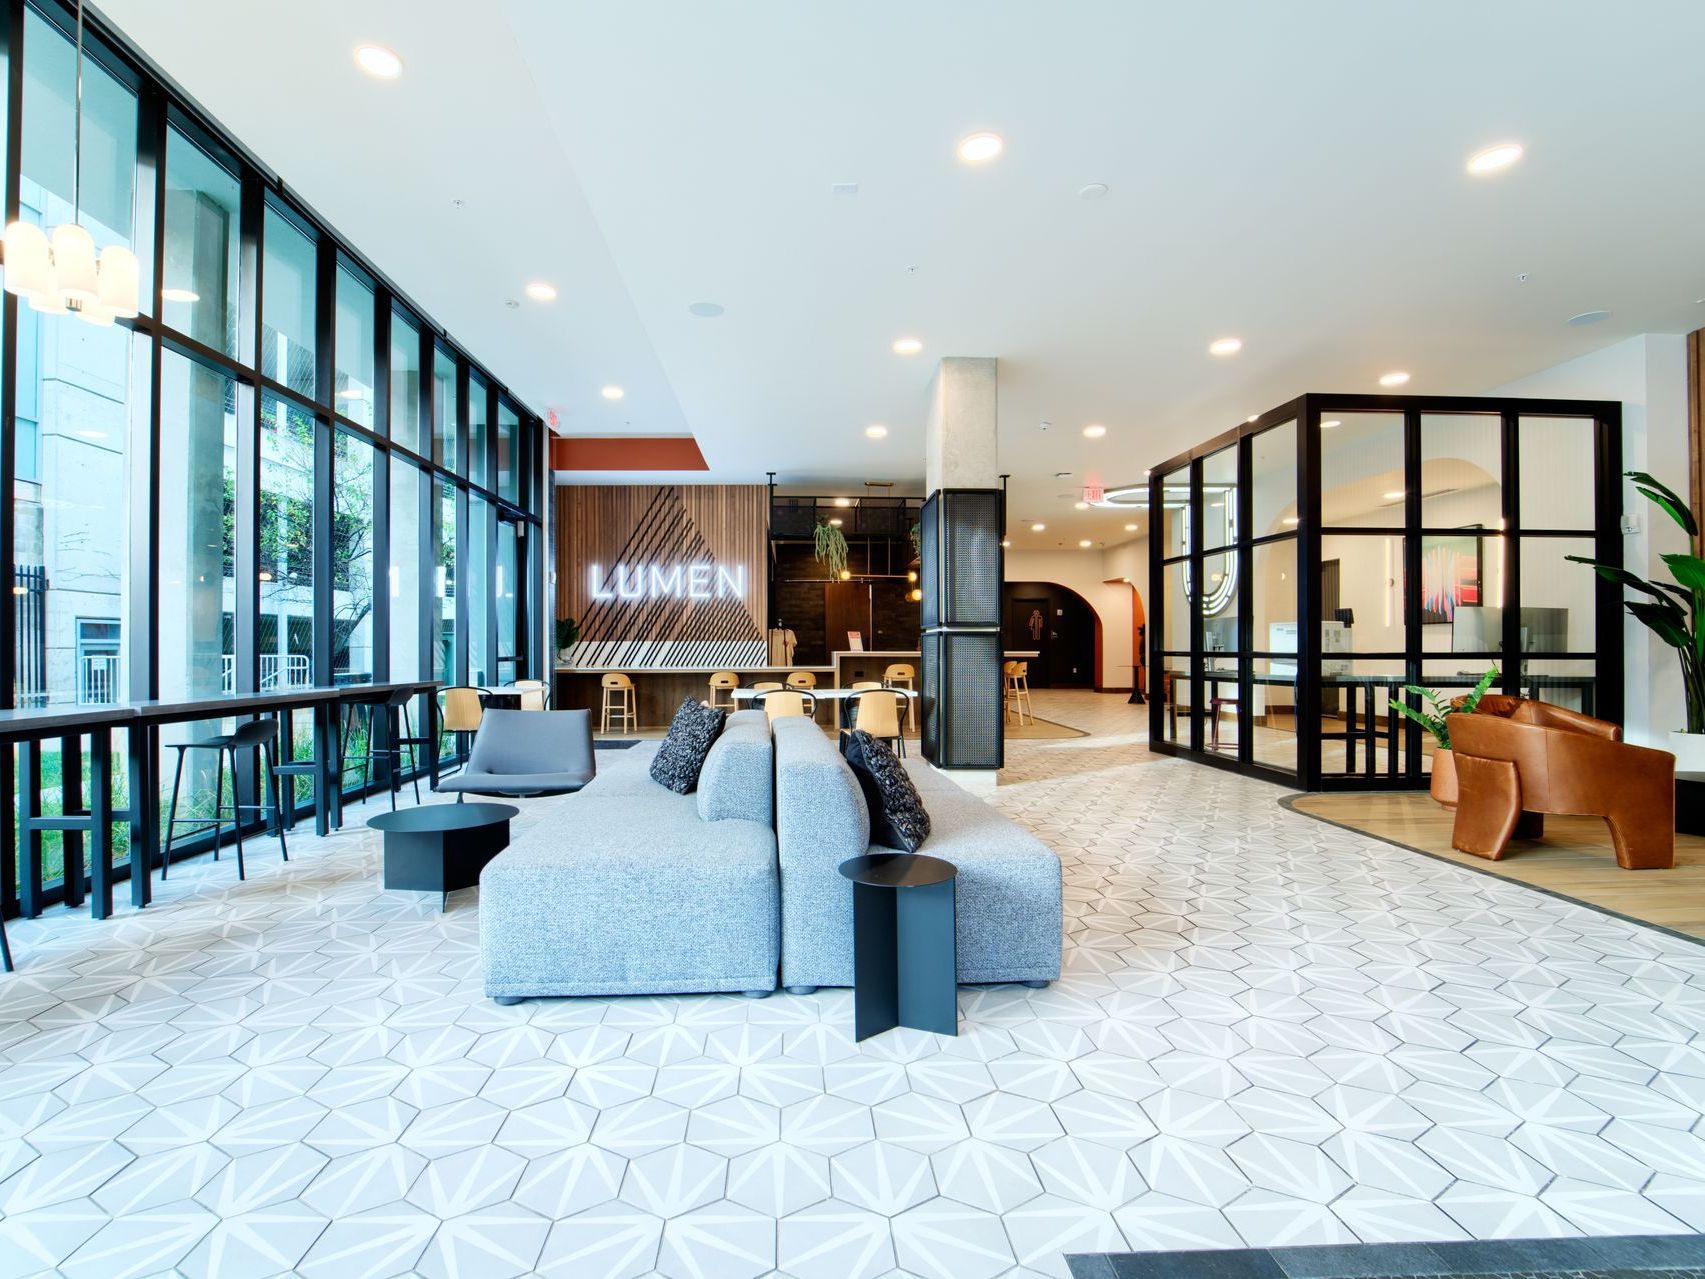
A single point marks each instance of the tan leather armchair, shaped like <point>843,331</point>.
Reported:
<point>1517,760</point>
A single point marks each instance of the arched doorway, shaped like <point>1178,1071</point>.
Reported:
<point>1061,626</point>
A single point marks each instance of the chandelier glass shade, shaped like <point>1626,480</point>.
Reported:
<point>66,273</point>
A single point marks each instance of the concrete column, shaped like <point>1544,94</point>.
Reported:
<point>961,448</point>
<point>964,724</point>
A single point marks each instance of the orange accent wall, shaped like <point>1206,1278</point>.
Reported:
<point>626,453</point>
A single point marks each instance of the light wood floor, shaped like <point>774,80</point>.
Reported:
<point>1574,860</point>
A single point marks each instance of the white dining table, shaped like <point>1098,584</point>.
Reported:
<point>835,695</point>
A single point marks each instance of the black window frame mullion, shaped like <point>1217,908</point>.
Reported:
<point>325,450</point>
<point>249,403</point>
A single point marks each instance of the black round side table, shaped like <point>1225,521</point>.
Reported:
<point>905,952</point>
<point>438,848</point>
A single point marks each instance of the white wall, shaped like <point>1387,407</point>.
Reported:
<point>1649,375</point>
<point>1086,572</point>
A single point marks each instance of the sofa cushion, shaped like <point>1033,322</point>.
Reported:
<point>738,778</point>
<point>898,818</point>
<point>691,735</point>
<point>630,895</point>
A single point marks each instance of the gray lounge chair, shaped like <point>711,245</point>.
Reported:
<point>519,753</point>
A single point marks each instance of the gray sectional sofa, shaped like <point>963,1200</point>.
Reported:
<point>628,888</point>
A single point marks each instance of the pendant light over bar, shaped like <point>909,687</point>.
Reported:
<point>65,273</point>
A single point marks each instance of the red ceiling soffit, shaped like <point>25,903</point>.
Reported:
<point>626,453</point>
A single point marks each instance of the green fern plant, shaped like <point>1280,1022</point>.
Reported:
<point>831,548</point>
<point>1672,611</point>
<point>1431,716</point>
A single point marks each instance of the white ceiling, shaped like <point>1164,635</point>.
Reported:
<point>1291,174</point>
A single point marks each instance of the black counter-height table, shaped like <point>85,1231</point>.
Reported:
<point>28,728</point>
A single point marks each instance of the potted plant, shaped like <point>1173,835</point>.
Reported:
<point>567,635</point>
<point>1671,612</point>
<point>831,548</point>
<point>1432,717</point>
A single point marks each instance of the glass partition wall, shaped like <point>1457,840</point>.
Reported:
<point>1317,559</point>
<point>260,481</point>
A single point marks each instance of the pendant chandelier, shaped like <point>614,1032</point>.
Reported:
<point>65,273</point>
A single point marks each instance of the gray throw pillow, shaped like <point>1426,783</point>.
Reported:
<point>897,816</point>
<point>678,761</point>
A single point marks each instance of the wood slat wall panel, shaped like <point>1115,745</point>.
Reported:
<point>724,524</point>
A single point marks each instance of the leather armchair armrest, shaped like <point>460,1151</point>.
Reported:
<point>1549,716</point>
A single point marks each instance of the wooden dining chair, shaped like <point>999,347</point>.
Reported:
<point>787,704</point>
<point>535,694</point>
<point>877,712</point>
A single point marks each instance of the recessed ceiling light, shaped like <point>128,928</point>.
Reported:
<point>539,291</point>
<point>378,61</point>
<point>1588,317</point>
<point>836,523</point>
<point>1082,506</point>
<point>1094,431</point>
<point>1093,191</point>
<point>980,148</point>
<point>705,310</point>
<point>180,295</point>
<point>1225,346</point>
<point>1289,519</point>
<point>843,502</point>
<point>613,392</point>
<point>1330,423</point>
<point>1395,378</point>
<point>907,346</point>
<point>1085,544</point>
<point>1038,528</point>
<point>1253,417</point>
<point>1006,543</point>
<point>1396,495</point>
<point>876,431</point>
<point>1494,158</point>
<point>1130,528</point>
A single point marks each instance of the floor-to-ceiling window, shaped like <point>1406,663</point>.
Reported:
<point>312,489</point>
<point>352,559</point>
<point>77,388</point>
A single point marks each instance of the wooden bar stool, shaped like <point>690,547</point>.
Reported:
<point>619,702</point>
<point>1017,676</point>
<point>902,675</point>
<point>723,682</point>
<point>257,735</point>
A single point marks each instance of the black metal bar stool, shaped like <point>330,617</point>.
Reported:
<point>391,753</point>
<point>257,735</point>
<point>292,768</point>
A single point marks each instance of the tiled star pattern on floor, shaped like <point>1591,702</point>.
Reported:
<point>1270,1031</point>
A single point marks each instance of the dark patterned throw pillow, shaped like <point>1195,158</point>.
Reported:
<point>678,761</point>
<point>897,816</point>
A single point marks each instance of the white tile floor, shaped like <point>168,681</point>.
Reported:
<point>1271,1031</point>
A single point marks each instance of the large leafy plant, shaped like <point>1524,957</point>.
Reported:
<point>1670,609</point>
<point>1431,714</point>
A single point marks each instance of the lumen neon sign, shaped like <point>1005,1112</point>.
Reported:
<point>700,581</point>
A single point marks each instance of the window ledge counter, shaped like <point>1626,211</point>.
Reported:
<point>659,690</point>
